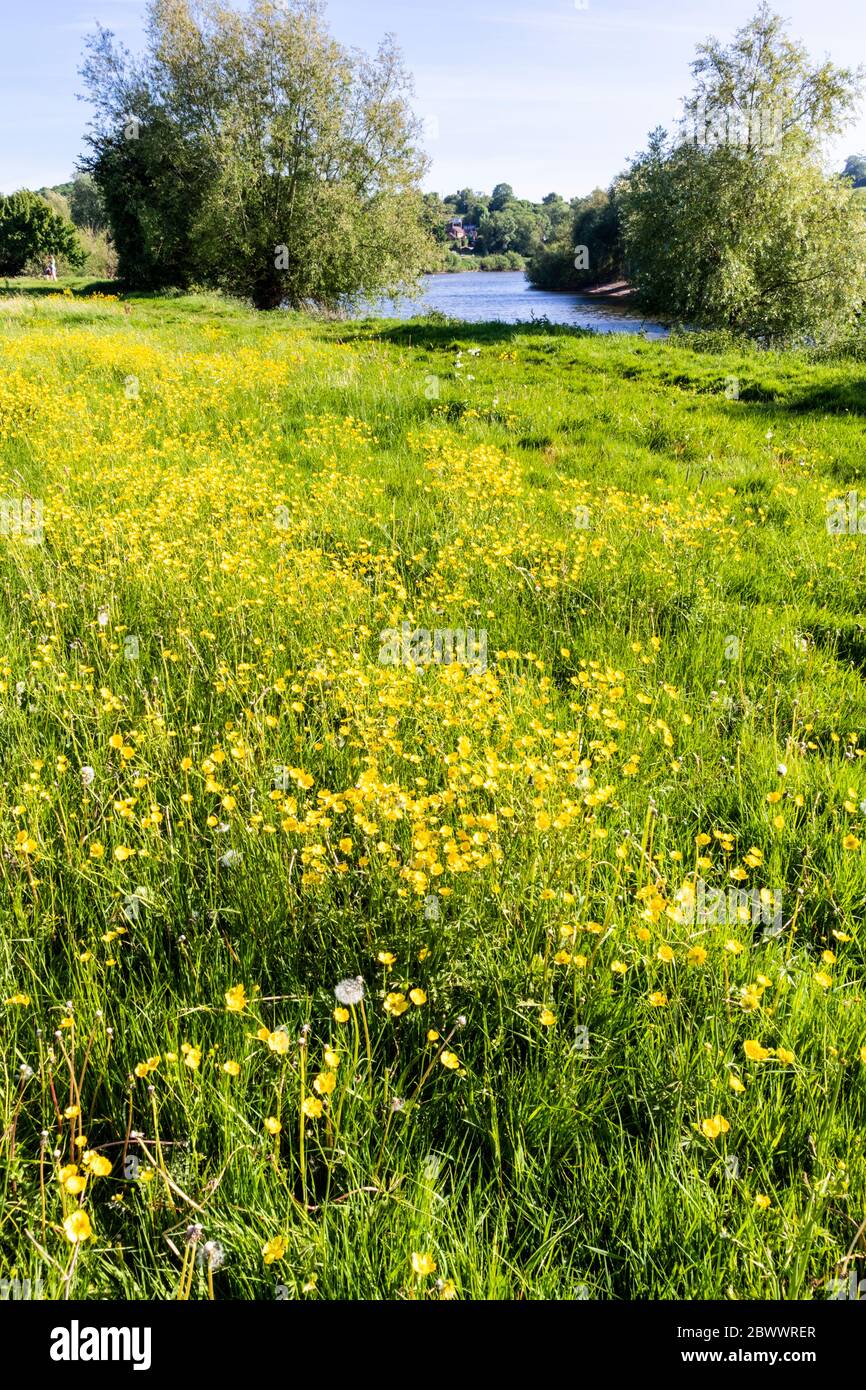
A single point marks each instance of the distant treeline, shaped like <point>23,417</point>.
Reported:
<point>546,238</point>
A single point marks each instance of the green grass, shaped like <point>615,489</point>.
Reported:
<point>254,499</point>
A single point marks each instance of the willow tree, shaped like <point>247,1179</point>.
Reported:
<point>736,221</point>
<point>284,166</point>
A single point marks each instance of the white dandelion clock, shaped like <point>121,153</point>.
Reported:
<point>350,992</point>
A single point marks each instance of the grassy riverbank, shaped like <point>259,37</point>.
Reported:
<point>218,802</point>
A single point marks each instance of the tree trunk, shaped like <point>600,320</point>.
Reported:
<point>268,294</point>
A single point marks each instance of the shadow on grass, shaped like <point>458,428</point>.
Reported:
<point>437,330</point>
<point>31,287</point>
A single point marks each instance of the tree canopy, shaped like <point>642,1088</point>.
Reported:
<point>505,223</point>
<point>31,230</point>
<point>733,222</point>
<point>253,152</point>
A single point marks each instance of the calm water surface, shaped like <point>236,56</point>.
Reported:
<point>478,296</point>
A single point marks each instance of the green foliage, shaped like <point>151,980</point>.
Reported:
<point>596,226</point>
<point>767,246</point>
<point>733,223</point>
<point>30,229</point>
<point>762,93</point>
<point>502,194</point>
<point>266,158</point>
<point>86,204</point>
<point>100,256</point>
<point>507,224</point>
<point>58,202</point>
<point>456,262</point>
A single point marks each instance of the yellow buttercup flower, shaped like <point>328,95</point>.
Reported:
<point>712,1127</point>
<point>274,1249</point>
<point>423,1264</point>
<point>236,999</point>
<point>96,1164</point>
<point>77,1227</point>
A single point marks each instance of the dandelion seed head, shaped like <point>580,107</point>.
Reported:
<point>350,992</point>
<point>211,1254</point>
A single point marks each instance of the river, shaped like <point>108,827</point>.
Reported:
<point>479,296</point>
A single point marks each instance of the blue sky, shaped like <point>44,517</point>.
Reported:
<point>544,94</point>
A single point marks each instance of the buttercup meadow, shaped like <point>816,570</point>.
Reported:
<point>329,977</point>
